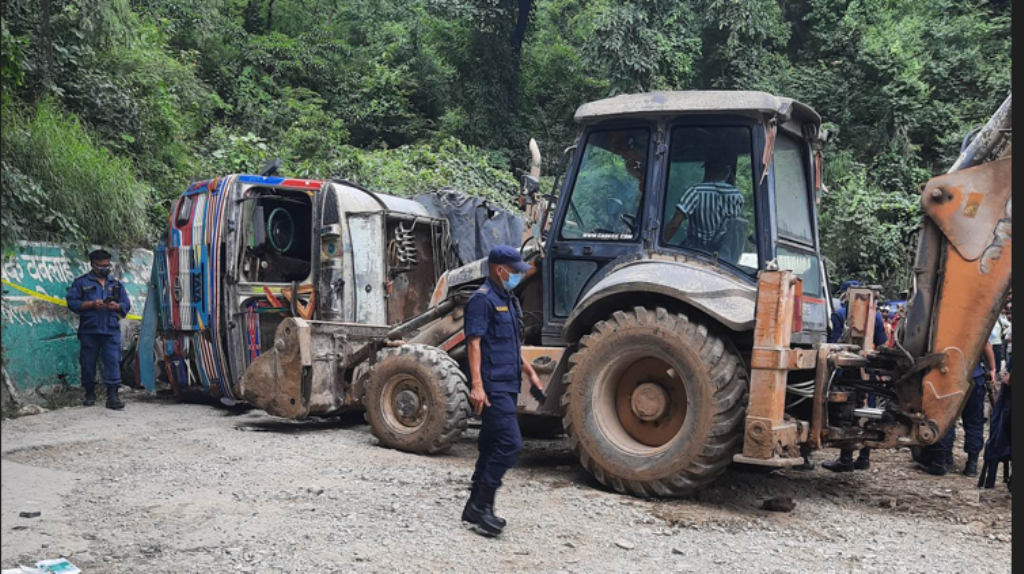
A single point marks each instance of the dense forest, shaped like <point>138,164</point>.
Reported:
<point>111,107</point>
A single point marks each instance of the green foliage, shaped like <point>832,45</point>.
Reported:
<point>11,52</point>
<point>232,153</point>
<point>868,234</point>
<point>169,91</point>
<point>59,184</point>
<point>412,170</point>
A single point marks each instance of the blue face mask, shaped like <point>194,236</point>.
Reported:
<point>513,281</point>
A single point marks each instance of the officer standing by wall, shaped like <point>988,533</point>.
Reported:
<point>100,301</point>
<point>494,335</point>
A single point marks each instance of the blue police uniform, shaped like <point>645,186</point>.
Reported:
<point>973,418</point>
<point>493,314</point>
<point>99,330</point>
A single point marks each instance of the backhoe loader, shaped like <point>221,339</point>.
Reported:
<point>674,340</point>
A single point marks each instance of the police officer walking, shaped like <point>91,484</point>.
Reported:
<point>494,335</point>
<point>100,302</point>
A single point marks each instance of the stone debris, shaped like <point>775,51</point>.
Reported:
<point>29,410</point>
<point>782,504</point>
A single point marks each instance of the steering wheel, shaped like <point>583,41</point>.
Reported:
<point>281,230</point>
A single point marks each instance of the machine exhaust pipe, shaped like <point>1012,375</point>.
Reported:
<point>535,163</point>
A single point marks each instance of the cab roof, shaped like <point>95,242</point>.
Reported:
<point>655,104</point>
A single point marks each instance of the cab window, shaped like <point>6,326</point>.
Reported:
<point>806,265</point>
<point>606,198</point>
<point>792,192</point>
<point>709,205</point>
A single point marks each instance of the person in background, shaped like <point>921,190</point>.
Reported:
<point>939,457</point>
<point>890,327</point>
<point>996,340</point>
<point>100,301</point>
<point>846,462</point>
<point>999,448</point>
<point>1008,334</point>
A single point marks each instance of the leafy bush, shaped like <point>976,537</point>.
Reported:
<point>60,185</point>
<point>867,233</point>
<point>11,49</point>
<point>411,170</point>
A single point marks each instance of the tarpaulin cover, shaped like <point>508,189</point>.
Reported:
<point>476,225</point>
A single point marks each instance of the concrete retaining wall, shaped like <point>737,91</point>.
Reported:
<point>40,344</point>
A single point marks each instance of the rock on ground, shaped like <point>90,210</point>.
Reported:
<point>170,488</point>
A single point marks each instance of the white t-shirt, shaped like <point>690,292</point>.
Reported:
<point>996,338</point>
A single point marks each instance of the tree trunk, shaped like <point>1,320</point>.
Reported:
<point>47,34</point>
<point>522,22</point>
<point>516,42</point>
<point>270,16</point>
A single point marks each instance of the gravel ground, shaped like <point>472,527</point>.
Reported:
<point>165,487</point>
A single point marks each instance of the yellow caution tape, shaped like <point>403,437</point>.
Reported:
<point>50,299</point>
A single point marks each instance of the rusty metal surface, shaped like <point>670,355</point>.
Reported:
<point>727,300</point>
<point>303,374</point>
<point>972,290</point>
<point>651,402</point>
<point>274,381</point>
<point>769,433</point>
<point>819,414</point>
<point>969,206</point>
<point>862,316</point>
<point>550,364</point>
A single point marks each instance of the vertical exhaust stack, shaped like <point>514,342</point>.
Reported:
<point>536,159</point>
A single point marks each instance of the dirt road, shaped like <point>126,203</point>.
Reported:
<point>165,487</point>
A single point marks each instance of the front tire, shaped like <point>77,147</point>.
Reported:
<point>655,403</point>
<point>417,400</point>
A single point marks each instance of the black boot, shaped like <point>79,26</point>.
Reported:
<point>844,464</point>
<point>489,507</point>
<point>474,496</point>
<point>479,515</point>
<point>90,395</point>
<point>935,463</point>
<point>805,452</point>
<point>113,402</point>
<point>864,460</point>
<point>971,470</point>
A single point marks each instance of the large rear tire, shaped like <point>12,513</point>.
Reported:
<point>417,400</point>
<point>655,403</point>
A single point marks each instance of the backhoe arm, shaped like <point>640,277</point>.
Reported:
<point>972,209</point>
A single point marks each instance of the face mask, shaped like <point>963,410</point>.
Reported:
<point>513,281</point>
<point>103,271</point>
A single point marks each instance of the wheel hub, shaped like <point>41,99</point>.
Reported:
<point>407,404</point>
<point>650,402</point>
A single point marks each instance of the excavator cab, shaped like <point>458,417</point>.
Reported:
<point>719,181</point>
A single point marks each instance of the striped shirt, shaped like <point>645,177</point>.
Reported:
<point>709,206</point>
